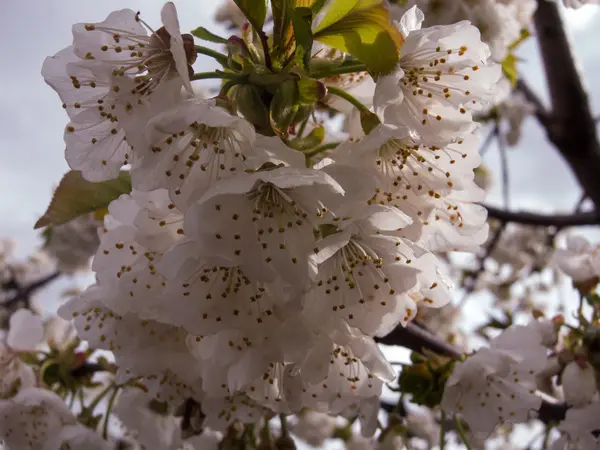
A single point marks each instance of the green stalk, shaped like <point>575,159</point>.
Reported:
<point>109,408</point>
<point>341,70</point>
<point>443,431</point>
<point>215,74</point>
<point>219,57</point>
<point>461,432</point>
<point>99,398</point>
<point>321,149</point>
<point>349,98</point>
<point>233,82</point>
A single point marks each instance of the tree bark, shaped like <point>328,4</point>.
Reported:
<point>570,125</point>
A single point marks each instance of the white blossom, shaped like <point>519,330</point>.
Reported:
<point>146,427</point>
<point>122,41</point>
<point>77,437</point>
<point>26,330</point>
<point>314,427</point>
<point>433,185</point>
<point>32,417</point>
<point>578,383</point>
<point>444,73</point>
<point>580,260</point>
<point>196,144</point>
<point>266,221</point>
<point>578,427</point>
<point>497,384</point>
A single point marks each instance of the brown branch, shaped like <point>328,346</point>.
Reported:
<point>541,112</point>
<point>24,292</point>
<point>543,220</point>
<point>416,338</point>
<point>570,126</point>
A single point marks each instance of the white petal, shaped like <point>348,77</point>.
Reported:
<point>26,330</point>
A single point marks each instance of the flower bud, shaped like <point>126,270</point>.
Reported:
<point>284,107</point>
<point>310,90</point>
<point>579,383</point>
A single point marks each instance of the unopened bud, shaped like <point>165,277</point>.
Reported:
<point>284,107</point>
<point>250,104</point>
<point>310,90</point>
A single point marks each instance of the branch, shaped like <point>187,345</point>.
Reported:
<point>543,220</point>
<point>417,338</point>
<point>541,112</point>
<point>24,292</point>
<point>571,126</point>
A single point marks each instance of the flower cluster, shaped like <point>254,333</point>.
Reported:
<point>233,273</point>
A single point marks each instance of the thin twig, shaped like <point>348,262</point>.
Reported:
<point>471,281</point>
<point>503,167</point>
<point>544,220</point>
<point>541,112</point>
<point>487,141</point>
<point>24,292</point>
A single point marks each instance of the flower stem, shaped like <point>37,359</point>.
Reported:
<point>109,407</point>
<point>284,425</point>
<point>461,432</point>
<point>341,70</point>
<point>219,57</point>
<point>349,98</point>
<point>233,82</point>
<point>443,430</point>
<point>215,74</point>
<point>99,398</point>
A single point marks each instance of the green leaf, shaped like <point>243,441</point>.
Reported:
<point>205,35</point>
<point>75,197</point>
<point>509,64</point>
<point>362,28</point>
<point>301,21</point>
<point>509,67</point>
<point>283,42</point>
<point>523,35</point>
<point>254,10</point>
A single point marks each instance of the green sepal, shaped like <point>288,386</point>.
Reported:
<point>310,91</point>
<point>205,35</point>
<point>369,121</point>
<point>310,141</point>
